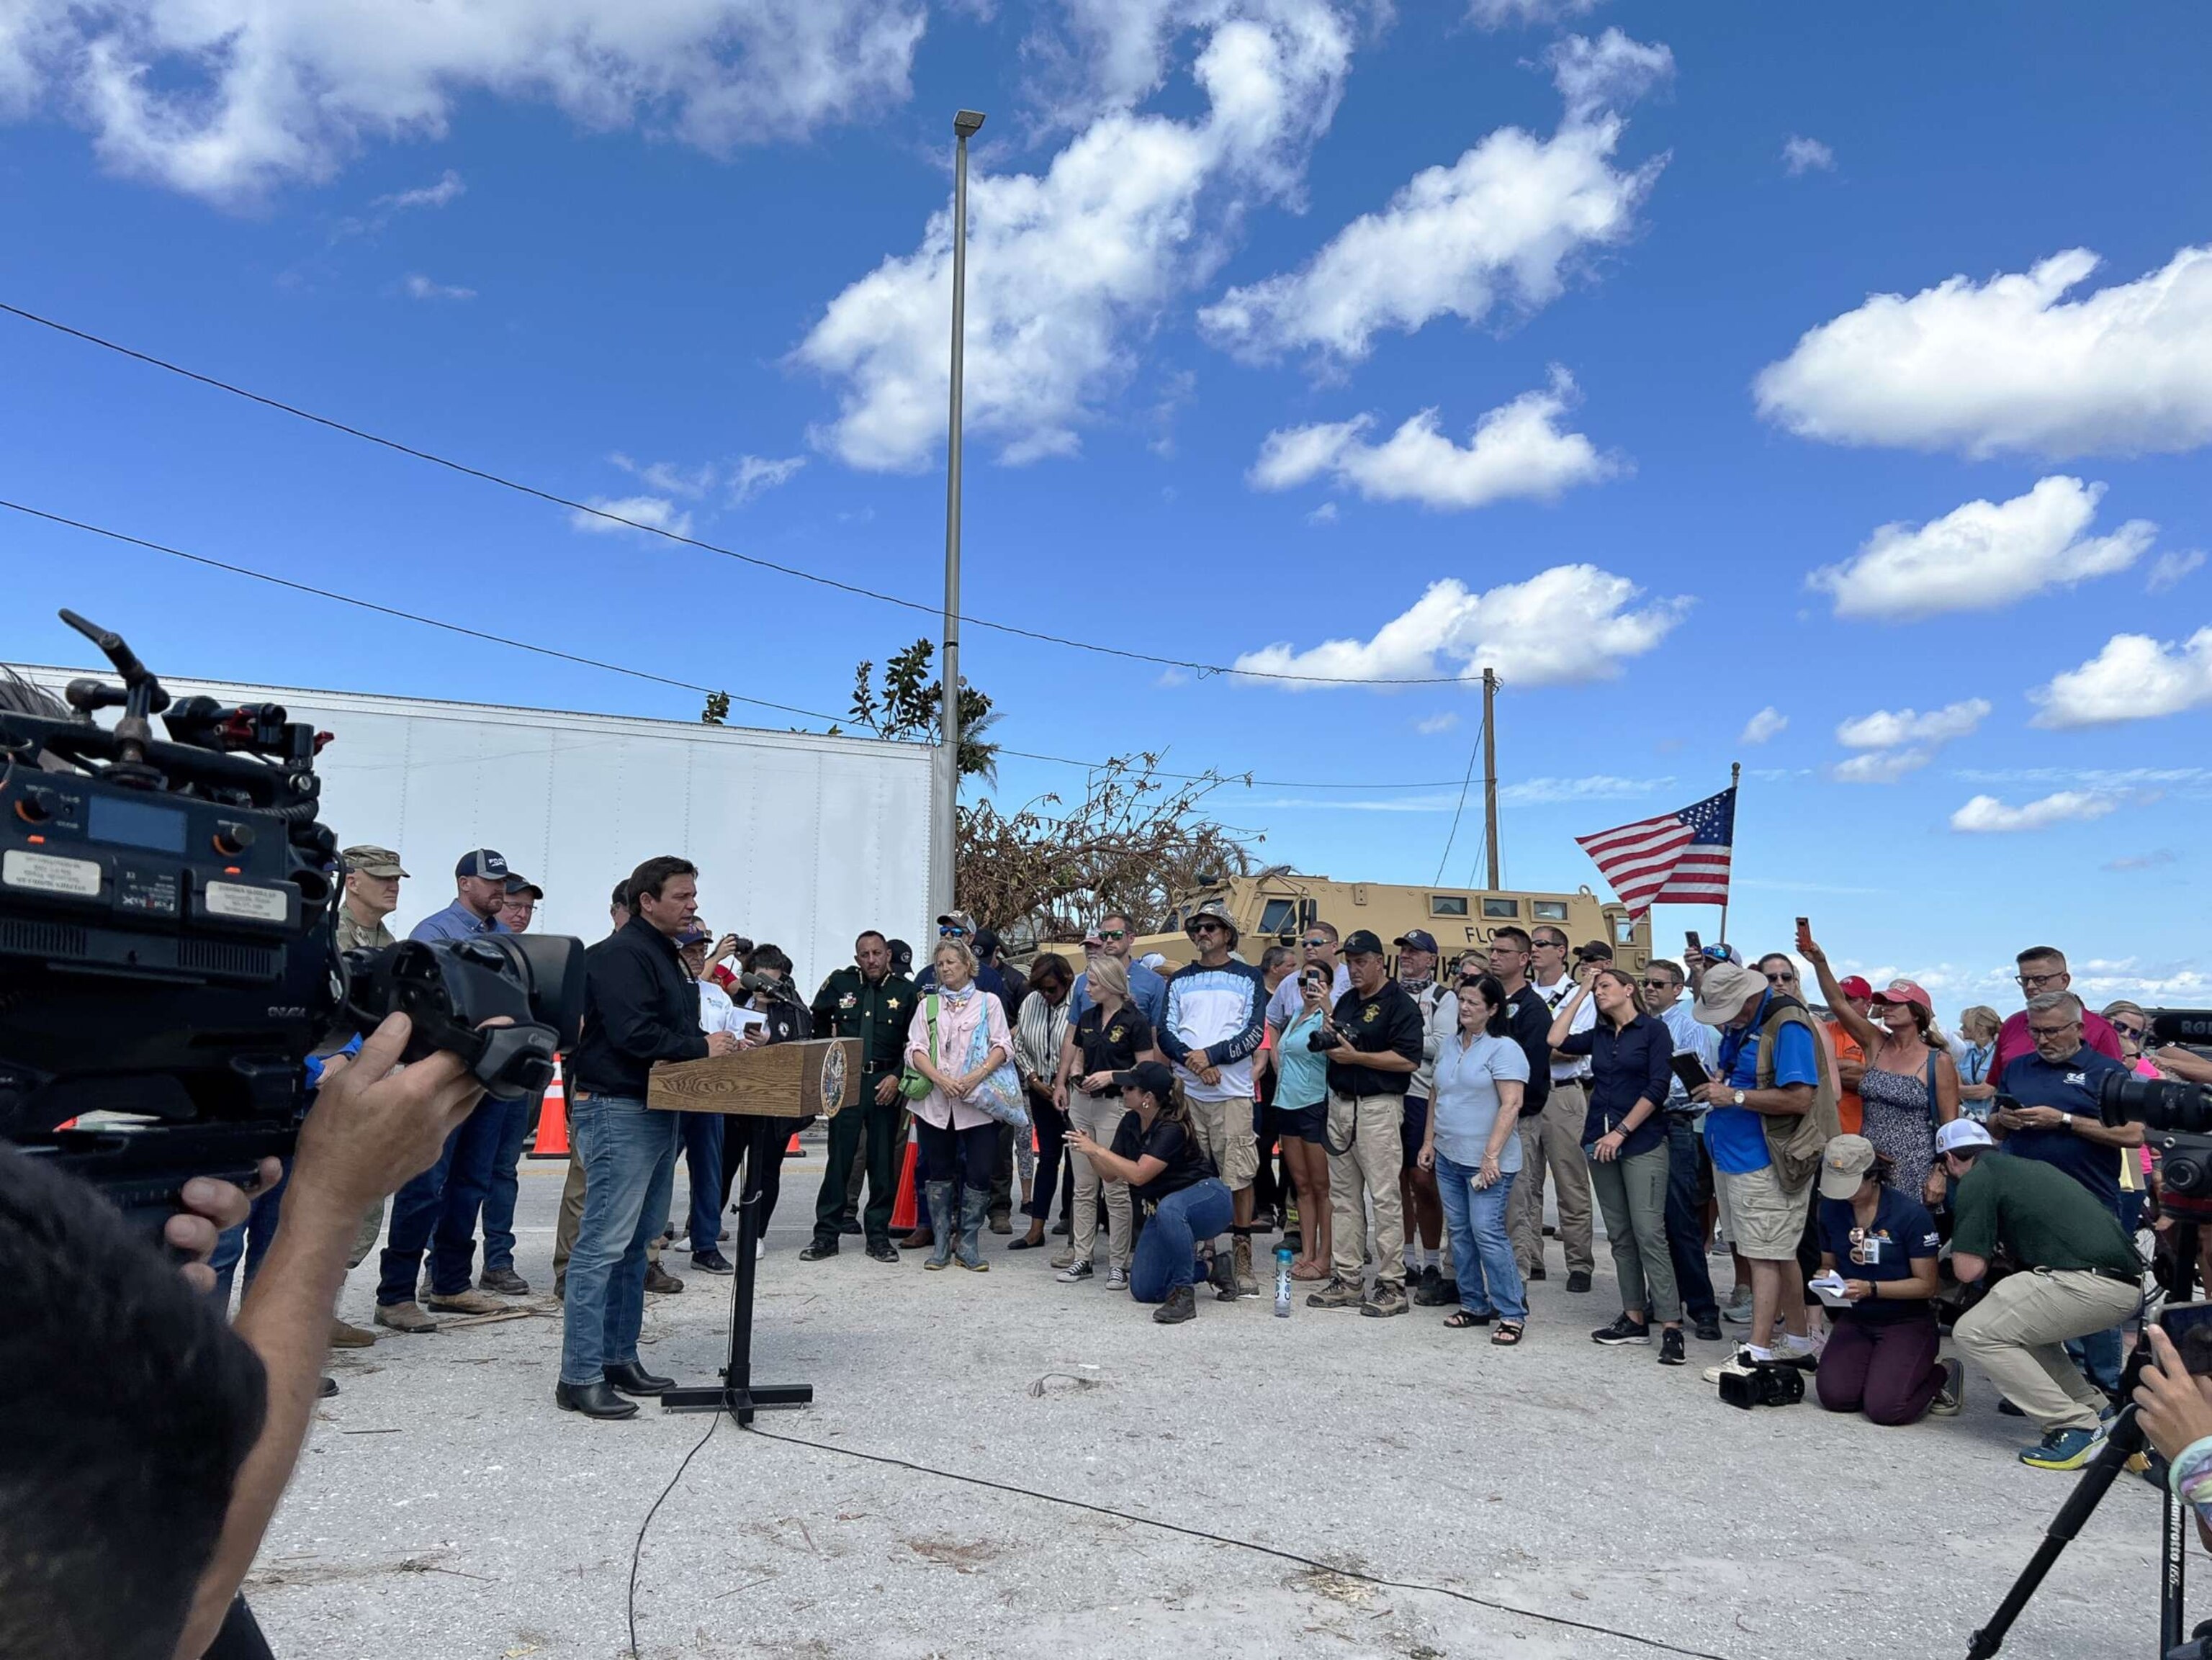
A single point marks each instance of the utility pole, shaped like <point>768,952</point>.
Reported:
<point>1490,770</point>
<point>965,124</point>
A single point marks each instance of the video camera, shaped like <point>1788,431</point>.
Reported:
<point>2178,1114</point>
<point>167,943</point>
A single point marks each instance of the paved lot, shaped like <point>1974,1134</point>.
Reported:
<point>1547,1496</point>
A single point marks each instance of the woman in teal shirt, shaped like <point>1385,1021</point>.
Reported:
<point>1302,1110</point>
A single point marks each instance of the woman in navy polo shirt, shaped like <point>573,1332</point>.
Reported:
<point>1626,1138</point>
<point>1881,1358</point>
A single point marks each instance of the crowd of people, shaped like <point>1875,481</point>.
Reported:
<point>1393,1123</point>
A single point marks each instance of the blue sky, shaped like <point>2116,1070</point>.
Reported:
<point>1681,469</point>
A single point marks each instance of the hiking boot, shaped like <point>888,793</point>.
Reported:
<point>1389,1299</point>
<point>1428,1290</point>
<point>504,1281</point>
<point>1951,1394</point>
<point>1579,1280</point>
<point>403,1317</point>
<point>660,1282</point>
<point>1241,1264</point>
<point>2063,1448</point>
<point>1622,1330</point>
<point>1671,1353</point>
<point>1223,1273</point>
<point>466,1300</point>
<point>1337,1293</point>
<point>1181,1304</point>
<point>350,1336</point>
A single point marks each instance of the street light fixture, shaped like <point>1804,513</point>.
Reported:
<point>965,125</point>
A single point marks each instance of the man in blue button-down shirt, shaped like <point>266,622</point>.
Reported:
<point>457,1183</point>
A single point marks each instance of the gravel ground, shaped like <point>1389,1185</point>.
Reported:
<point>1555,1500</point>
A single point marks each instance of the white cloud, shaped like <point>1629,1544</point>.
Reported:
<point>1601,786</point>
<point>754,476</point>
<point>1324,514</point>
<point>2134,677</point>
<point>1503,14</point>
<point>419,286</point>
<point>1429,725</point>
<point>2011,364</point>
<point>230,99</point>
<point>1801,155</point>
<point>1987,815</point>
<point>1517,449</point>
<point>1564,625</point>
<point>1502,225</point>
<point>1068,266</point>
<point>448,190</point>
<point>1881,766</point>
<point>1984,556</point>
<point>1884,729</point>
<point>657,512</point>
<point>1609,73</point>
<point>1769,722</point>
<point>2155,860</point>
<point>748,476</point>
<point>2167,570</point>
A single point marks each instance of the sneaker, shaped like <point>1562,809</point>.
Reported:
<point>1737,1312</point>
<point>1181,1304</point>
<point>660,1282</point>
<point>1797,1352</point>
<point>760,1249</point>
<point>1671,1353</point>
<point>403,1317</point>
<point>1075,1273</point>
<point>883,1251</point>
<point>1708,1330</point>
<point>1622,1330</point>
<point>2063,1448</point>
<point>1951,1395</point>
<point>1579,1280</point>
<point>504,1281</point>
<point>1117,1278</point>
<point>1337,1293</point>
<point>1387,1299</point>
<point>816,1250</point>
<point>466,1300</point>
<point>713,1261</point>
<point>1428,1289</point>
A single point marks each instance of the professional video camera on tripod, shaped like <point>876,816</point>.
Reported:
<point>2177,1117</point>
<point>166,948</point>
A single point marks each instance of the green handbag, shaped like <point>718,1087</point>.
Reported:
<point>913,1083</point>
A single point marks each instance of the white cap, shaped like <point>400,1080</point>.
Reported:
<point>1961,1133</point>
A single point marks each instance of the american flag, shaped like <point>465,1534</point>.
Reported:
<point>1677,858</point>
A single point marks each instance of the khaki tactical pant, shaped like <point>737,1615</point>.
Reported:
<point>1553,1138</point>
<point>1367,1170</point>
<point>2018,1333</point>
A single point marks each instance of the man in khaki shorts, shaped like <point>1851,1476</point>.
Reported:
<point>1215,1017</point>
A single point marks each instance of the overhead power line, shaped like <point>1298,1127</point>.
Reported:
<point>558,501</point>
<point>405,615</point>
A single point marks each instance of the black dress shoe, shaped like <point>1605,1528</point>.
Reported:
<point>883,1251</point>
<point>817,1250</point>
<point>631,1379</point>
<point>593,1400</point>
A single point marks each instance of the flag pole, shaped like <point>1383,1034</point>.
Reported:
<point>1735,778</point>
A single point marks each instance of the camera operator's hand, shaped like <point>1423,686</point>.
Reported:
<point>2175,1409</point>
<point>723,1043</point>
<point>372,1128</point>
<point>210,1207</point>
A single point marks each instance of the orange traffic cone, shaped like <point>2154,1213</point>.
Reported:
<point>553,1119</point>
<point>904,1212</point>
<point>794,1147</point>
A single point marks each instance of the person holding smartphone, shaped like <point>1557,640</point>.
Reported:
<point>1302,1112</point>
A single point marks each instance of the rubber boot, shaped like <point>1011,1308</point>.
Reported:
<point>940,1216</point>
<point>973,1203</point>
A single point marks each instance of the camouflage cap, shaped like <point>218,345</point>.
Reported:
<point>371,861</point>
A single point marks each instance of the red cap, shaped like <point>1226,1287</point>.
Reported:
<point>1854,986</point>
<point>1905,992</point>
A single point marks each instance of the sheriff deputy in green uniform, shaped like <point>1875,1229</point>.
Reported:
<point>870,1002</point>
<point>372,875</point>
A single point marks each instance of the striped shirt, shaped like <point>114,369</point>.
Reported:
<point>1037,1035</point>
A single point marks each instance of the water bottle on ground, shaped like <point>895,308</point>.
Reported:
<point>1282,1282</point>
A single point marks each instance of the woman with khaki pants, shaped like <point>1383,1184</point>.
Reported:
<point>1112,1037</point>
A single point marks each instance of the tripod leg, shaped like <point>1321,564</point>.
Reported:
<point>2124,1441</point>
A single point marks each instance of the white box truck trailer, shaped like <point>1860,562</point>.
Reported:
<point>801,839</point>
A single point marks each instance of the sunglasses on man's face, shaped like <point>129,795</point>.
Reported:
<point>1207,928</point>
<point>1112,933</point>
<point>948,932</point>
<point>1318,943</point>
<point>1658,983</point>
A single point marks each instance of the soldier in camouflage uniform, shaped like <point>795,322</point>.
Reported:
<point>372,875</point>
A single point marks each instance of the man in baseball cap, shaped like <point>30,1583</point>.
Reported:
<point>520,906</point>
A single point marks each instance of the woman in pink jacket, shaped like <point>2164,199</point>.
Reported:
<point>957,1141</point>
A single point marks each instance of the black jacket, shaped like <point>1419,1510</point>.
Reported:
<point>1531,1024</point>
<point>640,1006</point>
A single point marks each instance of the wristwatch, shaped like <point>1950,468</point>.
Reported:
<point>1739,1098</point>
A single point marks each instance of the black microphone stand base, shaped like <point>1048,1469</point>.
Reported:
<point>736,1394</point>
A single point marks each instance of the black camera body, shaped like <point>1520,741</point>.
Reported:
<point>1761,1383</point>
<point>167,947</point>
<point>1322,1039</point>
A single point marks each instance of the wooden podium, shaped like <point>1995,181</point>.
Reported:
<point>776,1082</point>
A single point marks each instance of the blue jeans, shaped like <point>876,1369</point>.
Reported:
<point>630,1166</point>
<point>1482,1253</point>
<point>1686,1221</point>
<point>450,1190</point>
<point>703,1161</point>
<point>1167,1250</point>
<point>499,1199</point>
<point>249,1241</point>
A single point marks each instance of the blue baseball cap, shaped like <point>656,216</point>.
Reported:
<point>482,862</point>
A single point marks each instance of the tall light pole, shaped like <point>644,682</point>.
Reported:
<point>965,124</point>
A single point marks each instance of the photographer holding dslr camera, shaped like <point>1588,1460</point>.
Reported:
<point>187,881</point>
